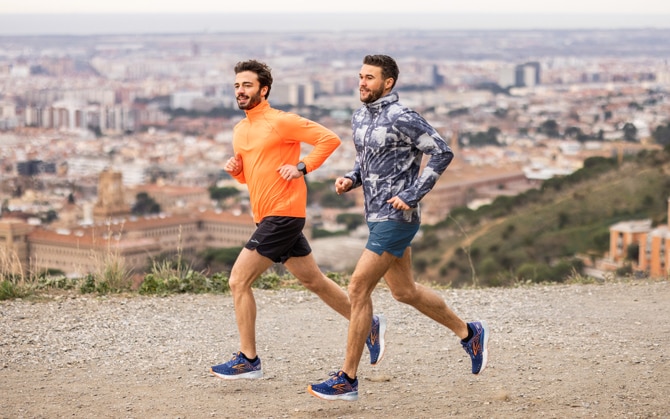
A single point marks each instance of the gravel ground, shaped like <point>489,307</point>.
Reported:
<point>555,352</point>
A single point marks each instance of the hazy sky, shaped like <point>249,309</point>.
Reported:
<point>84,17</point>
<point>292,6</point>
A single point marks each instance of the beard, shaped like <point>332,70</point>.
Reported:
<point>369,96</point>
<point>248,102</point>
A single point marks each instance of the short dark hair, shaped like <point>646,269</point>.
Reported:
<point>386,63</point>
<point>262,70</point>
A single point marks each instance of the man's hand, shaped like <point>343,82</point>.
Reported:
<point>398,203</point>
<point>234,165</point>
<point>289,172</point>
<point>343,184</point>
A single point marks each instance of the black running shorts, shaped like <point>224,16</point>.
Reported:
<point>280,238</point>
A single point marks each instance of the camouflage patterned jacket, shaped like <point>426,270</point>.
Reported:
<point>390,141</point>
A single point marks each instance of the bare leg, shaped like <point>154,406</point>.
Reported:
<point>401,282</point>
<point>247,268</point>
<point>308,273</point>
<point>369,270</point>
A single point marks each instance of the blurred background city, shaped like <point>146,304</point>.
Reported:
<point>114,134</point>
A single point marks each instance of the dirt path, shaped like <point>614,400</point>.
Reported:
<point>556,352</point>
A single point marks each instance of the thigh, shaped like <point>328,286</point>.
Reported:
<point>370,268</point>
<point>399,275</point>
<point>248,267</point>
<point>303,267</point>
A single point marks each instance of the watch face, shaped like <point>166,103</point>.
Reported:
<point>301,166</point>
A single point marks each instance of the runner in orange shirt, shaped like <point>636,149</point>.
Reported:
<point>267,153</point>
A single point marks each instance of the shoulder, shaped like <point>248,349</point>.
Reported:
<point>282,115</point>
<point>397,113</point>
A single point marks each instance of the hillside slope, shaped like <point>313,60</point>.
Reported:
<point>536,235</point>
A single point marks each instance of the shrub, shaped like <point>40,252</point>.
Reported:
<point>10,290</point>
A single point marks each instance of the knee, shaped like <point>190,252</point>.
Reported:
<point>406,295</point>
<point>312,283</point>
<point>358,291</point>
<point>237,285</point>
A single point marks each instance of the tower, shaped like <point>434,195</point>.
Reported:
<point>110,196</point>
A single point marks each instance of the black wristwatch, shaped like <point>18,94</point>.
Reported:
<point>301,167</point>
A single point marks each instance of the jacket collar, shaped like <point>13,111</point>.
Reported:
<point>382,102</point>
<point>258,110</point>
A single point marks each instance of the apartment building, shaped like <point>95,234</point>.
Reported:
<point>133,241</point>
<point>653,242</point>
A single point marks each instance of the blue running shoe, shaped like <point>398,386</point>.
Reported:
<point>477,346</point>
<point>238,367</point>
<point>335,388</point>
<point>375,340</point>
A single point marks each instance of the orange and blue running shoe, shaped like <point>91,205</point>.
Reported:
<point>335,388</point>
<point>477,346</point>
<point>375,340</point>
<point>238,367</point>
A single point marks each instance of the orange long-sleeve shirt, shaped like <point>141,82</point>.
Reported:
<point>269,138</point>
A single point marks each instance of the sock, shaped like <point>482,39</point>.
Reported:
<point>351,380</point>
<point>248,359</point>
<point>471,333</point>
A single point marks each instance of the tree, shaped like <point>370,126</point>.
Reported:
<point>49,216</point>
<point>144,204</point>
<point>490,137</point>
<point>330,199</point>
<point>573,132</point>
<point>662,134</point>
<point>630,132</point>
<point>352,221</point>
<point>550,128</point>
<point>219,194</point>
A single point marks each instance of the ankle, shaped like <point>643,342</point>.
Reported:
<point>346,376</point>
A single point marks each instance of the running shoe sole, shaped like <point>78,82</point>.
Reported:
<point>245,375</point>
<point>382,340</point>
<point>347,397</point>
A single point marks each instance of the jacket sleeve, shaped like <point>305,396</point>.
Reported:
<point>325,141</point>
<point>425,138</point>
<point>355,174</point>
<point>240,177</point>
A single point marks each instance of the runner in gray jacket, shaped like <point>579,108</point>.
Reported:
<point>390,142</point>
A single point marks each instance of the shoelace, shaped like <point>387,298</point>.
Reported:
<point>334,376</point>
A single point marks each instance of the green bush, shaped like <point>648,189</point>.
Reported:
<point>9,290</point>
<point>339,278</point>
<point>191,282</point>
<point>268,281</point>
<point>88,286</point>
